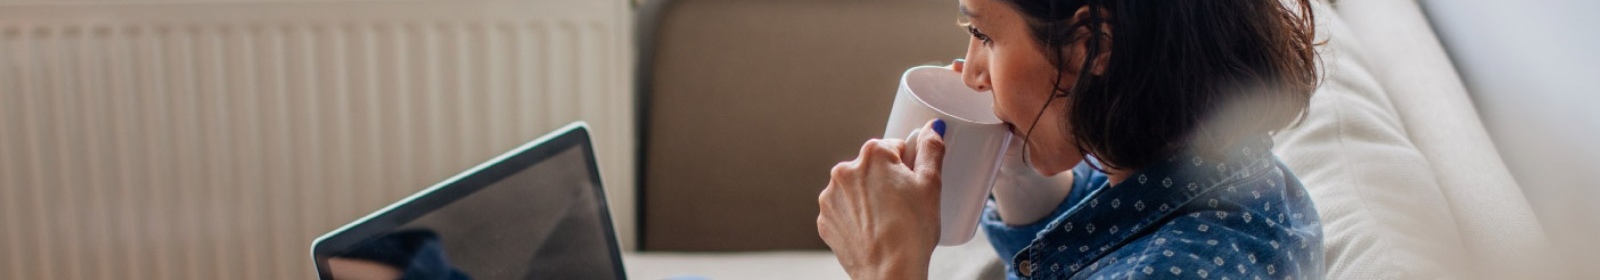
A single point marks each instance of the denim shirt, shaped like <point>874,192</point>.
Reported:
<point>1241,215</point>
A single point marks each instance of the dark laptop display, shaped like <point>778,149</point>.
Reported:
<point>537,212</point>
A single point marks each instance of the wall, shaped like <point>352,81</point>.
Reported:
<point>216,139</point>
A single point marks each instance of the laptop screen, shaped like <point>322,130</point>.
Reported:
<point>544,220</point>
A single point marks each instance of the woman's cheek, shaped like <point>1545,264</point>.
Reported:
<point>1006,106</point>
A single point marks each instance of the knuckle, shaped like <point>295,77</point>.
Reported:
<point>869,144</point>
<point>840,170</point>
<point>822,198</point>
<point>883,149</point>
<point>893,143</point>
<point>822,227</point>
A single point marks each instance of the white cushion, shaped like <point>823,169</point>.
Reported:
<point>1383,214</point>
<point>974,260</point>
<point>729,265</point>
<point>1497,225</point>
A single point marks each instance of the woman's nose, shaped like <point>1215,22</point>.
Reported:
<point>974,77</point>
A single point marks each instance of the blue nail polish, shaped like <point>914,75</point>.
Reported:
<point>938,126</point>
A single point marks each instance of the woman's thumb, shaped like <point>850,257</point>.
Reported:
<point>930,149</point>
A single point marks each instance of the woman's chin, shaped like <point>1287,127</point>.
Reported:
<point>1012,127</point>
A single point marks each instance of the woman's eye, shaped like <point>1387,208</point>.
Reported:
<point>976,34</point>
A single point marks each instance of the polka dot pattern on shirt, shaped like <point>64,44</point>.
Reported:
<point>1241,217</point>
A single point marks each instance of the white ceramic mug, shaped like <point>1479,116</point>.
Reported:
<point>975,141</point>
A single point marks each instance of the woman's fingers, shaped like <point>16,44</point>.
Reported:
<point>875,204</point>
<point>880,152</point>
<point>839,172</point>
<point>822,230</point>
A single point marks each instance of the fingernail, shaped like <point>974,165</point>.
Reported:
<point>938,127</point>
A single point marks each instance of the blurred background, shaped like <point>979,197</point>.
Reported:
<point>214,139</point>
<point>1533,72</point>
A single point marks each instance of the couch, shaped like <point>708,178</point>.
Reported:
<point>1407,181</point>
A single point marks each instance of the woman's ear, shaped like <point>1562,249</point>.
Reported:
<point>1102,59</point>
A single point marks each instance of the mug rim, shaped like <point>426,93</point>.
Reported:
<point>906,86</point>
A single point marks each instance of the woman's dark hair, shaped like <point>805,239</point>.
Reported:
<point>1181,74</point>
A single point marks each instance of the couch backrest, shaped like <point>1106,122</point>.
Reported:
<point>1496,223</point>
<point>749,103</point>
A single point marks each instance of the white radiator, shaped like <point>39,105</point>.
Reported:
<point>215,139</point>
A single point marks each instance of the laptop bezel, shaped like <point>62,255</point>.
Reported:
<point>467,182</point>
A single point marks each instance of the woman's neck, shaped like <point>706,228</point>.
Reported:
<point>1048,154</point>
<point>1115,176</point>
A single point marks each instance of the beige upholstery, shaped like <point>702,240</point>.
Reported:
<point>1407,183</point>
<point>749,103</point>
<point>1384,215</point>
<point>975,260</point>
<point>1496,223</point>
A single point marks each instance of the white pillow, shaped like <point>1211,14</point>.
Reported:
<point>1383,214</point>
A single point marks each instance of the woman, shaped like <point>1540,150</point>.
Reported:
<point>1147,154</point>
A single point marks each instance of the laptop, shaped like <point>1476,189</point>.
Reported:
<point>535,212</point>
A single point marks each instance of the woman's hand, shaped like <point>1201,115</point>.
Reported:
<point>881,215</point>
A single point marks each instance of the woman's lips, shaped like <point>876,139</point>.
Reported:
<point>1011,127</point>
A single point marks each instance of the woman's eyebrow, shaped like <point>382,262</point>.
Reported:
<point>966,12</point>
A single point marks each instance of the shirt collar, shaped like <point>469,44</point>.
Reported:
<point>1107,218</point>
